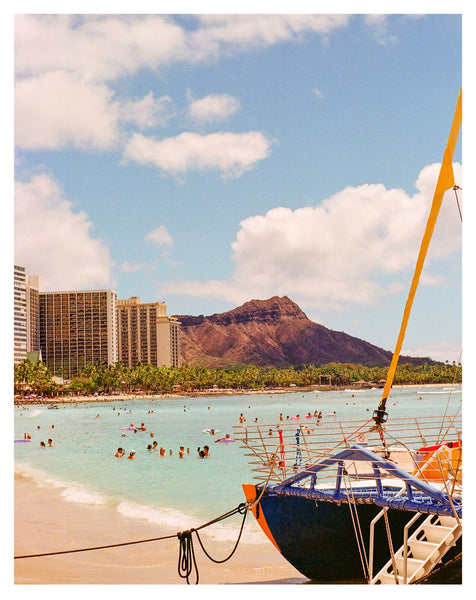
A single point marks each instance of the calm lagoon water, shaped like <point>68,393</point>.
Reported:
<point>173,492</point>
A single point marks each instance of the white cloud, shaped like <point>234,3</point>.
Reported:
<point>378,25</point>
<point>160,237</point>
<point>106,47</point>
<point>58,109</point>
<point>214,107</point>
<point>230,153</point>
<point>352,248</point>
<point>147,111</point>
<point>318,93</point>
<point>53,241</point>
<point>66,67</point>
<point>101,47</point>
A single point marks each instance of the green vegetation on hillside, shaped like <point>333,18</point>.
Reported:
<point>35,378</point>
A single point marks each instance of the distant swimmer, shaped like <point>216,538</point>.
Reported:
<point>119,453</point>
<point>42,445</point>
<point>142,427</point>
<point>162,451</point>
<point>227,438</point>
<point>132,455</point>
<point>181,452</point>
<point>206,449</point>
<point>50,443</point>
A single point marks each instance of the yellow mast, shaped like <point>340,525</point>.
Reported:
<point>444,183</point>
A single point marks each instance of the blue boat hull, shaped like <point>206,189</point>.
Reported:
<point>318,538</point>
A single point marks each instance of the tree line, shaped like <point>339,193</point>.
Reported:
<point>36,378</point>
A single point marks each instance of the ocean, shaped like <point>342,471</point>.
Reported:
<point>179,493</point>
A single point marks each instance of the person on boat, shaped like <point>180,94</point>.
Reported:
<point>132,455</point>
<point>119,453</point>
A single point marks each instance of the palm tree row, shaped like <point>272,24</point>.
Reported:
<point>95,378</point>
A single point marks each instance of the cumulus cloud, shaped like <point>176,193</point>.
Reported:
<point>160,237</point>
<point>66,67</point>
<point>147,111</point>
<point>352,248</point>
<point>101,47</point>
<point>230,153</point>
<point>58,109</point>
<point>214,107</point>
<point>54,241</point>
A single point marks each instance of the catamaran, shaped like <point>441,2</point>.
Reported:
<point>378,501</point>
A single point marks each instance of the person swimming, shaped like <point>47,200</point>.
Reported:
<point>132,455</point>
<point>119,453</point>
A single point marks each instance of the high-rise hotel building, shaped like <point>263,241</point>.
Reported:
<point>78,328</point>
<point>69,330</point>
<point>146,334</point>
<point>26,326</point>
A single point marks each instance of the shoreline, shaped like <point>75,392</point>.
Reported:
<point>204,394</point>
<point>45,522</point>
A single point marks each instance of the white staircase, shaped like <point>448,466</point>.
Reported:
<point>425,548</point>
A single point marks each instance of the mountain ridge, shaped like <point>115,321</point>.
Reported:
<point>273,333</point>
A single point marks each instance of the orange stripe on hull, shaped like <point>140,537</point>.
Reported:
<point>250,494</point>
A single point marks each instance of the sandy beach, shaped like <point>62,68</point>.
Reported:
<point>44,522</point>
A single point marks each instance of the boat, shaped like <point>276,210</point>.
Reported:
<point>376,501</point>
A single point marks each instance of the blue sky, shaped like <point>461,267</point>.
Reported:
<point>208,160</point>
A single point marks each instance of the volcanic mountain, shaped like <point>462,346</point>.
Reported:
<point>272,333</point>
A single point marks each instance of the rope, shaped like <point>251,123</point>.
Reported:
<point>357,529</point>
<point>95,547</point>
<point>187,563</point>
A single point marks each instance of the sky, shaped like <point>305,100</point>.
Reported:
<point>207,160</point>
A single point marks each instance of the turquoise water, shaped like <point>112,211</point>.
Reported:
<point>173,492</point>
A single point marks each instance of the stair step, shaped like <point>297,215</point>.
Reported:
<point>448,521</point>
<point>433,533</point>
<point>421,550</point>
<point>413,565</point>
<point>386,579</point>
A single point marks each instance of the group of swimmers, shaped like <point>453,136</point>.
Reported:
<point>181,453</point>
